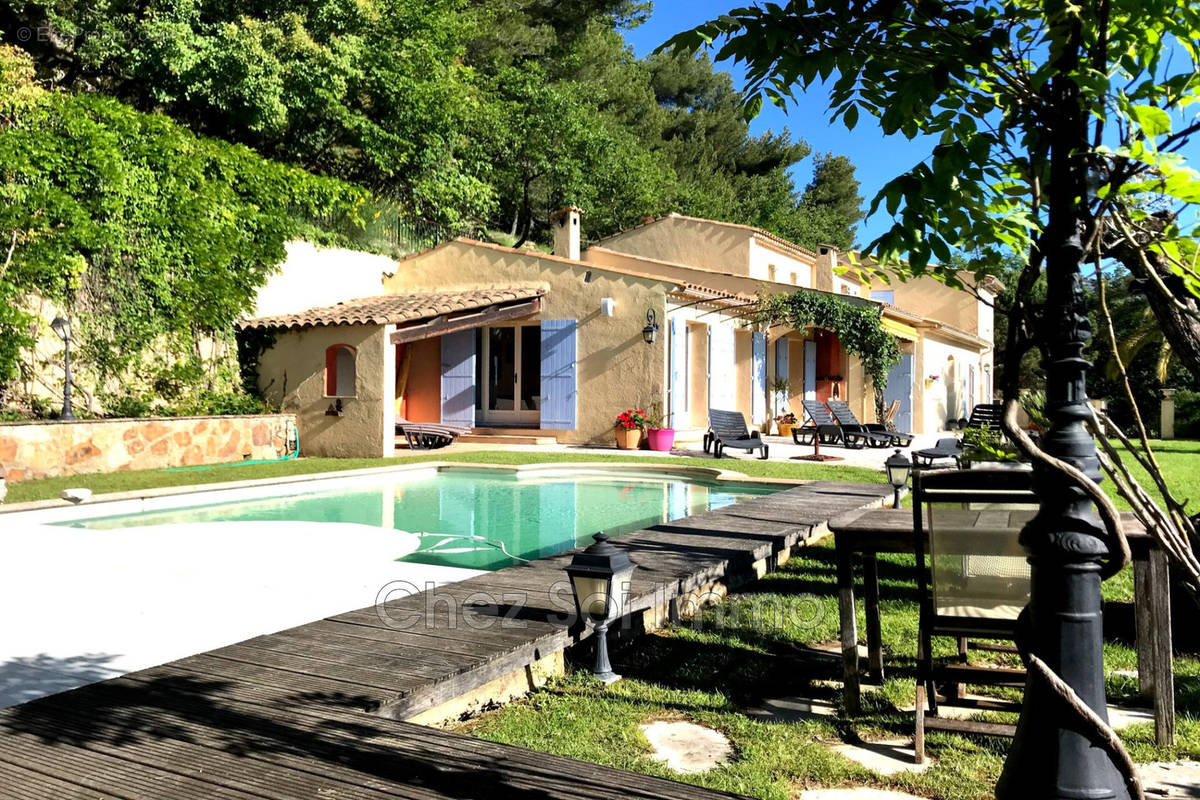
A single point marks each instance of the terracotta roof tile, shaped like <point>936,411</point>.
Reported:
<point>396,308</point>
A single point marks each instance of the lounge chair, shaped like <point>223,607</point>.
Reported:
<point>945,448</point>
<point>728,429</point>
<point>872,433</point>
<point>821,425</point>
<point>428,435</point>
<point>986,415</point>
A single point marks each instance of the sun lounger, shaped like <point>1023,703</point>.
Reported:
<point>945,448</point>
<point>728,429</point>
<point>873,433</point>
<point>428,435</point>
<point>821,425</point>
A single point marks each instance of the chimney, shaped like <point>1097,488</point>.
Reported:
<point>823,273</point>
<point>565,223</point>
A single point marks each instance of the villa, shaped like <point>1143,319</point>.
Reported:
<point>527,346</point>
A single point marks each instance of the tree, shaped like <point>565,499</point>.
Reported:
<point>151,237</point>
<point>831,201</point>
<point>1054,121</point>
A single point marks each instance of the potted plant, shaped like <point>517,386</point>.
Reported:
<point>988,445</point>
<point>658,435</point>
<point>629,428</point>
<point>781,390</point>
<point>786,423</point>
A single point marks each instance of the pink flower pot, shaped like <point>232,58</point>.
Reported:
<point>661,439</point>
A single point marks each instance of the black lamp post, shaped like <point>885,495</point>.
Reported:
<point>62,327</point>
<point>650,332</point>
<point>898,469</point>
<point>600,583</point>
<point>1054,754</point>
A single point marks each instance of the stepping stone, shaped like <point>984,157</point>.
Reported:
<point>854,794</point>
<point>1170,778</point>
<point>792,709</point>
<point>885,757</point>
<point>686,747</point>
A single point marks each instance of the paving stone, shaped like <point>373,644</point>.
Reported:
<point>854,794</point>
<point>792,709</point>
<point>1120,717</point>
<point>686,747</point>
<point>1170,778</point>
<point>886,757</point>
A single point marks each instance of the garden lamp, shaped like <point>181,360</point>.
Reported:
<point>650,332</point>
<point>62,327</point>
<point>898,469</point>
<point>600,583</point>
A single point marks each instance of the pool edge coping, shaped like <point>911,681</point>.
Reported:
<point>716,474</point>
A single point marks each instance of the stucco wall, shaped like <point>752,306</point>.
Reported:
<point>312,276</point>
<point>30,450</point>
<point>933,395</point>
<point>616,370</point>
<point>292,375</point>
<point>934,299</point>
<point>685,241</point>
<point>764,255</point>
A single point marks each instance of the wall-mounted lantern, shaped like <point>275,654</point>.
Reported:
<point>650,332</point>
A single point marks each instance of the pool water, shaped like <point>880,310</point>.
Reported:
<point>473,519</point>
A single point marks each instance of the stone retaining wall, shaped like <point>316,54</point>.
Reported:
<point>31,450</point>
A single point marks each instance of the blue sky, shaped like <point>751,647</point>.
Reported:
<point>876,157</point>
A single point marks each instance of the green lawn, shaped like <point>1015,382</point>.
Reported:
<point>101,483</point>
<point>753,647</point>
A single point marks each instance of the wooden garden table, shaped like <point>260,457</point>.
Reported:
<point>887,530</point>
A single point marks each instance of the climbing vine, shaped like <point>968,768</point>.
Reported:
<point>858,326</point>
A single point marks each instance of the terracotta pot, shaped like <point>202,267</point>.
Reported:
<point>628,440</point>
<point>661,439</point>
<point>785,429</point>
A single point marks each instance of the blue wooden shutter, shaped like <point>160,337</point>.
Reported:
<point>900,387</point>
<point>678,374</point>
<point>722,366</point>
<point>810,370</point>
<point>758,377</point>
<point>458,378</point>
<point>559,388</point>
<point>781,371</point>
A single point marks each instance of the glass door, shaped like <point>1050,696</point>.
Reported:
<point>510,377</point>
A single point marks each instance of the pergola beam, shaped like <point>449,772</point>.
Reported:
<point>445,323</point>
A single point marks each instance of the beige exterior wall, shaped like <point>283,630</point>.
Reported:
<point>615,369</point>
<point>685,241</point>
<point>313,276</point>
<point>292,375</point>
<point>30,450</point>
<point>933,299</point>
<point>945,396</point>
<point>697,374</point>
<point>770,262</point>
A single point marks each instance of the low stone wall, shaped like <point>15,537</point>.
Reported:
<point>31,450</point>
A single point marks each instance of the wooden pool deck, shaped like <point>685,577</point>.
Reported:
<point>318,711</point>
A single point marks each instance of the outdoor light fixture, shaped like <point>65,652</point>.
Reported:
<point>898,469</point>
<point>650,332</point>
<point>62,327</point>
<point>600,582</point>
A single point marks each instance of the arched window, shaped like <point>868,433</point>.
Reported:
<point>340,371</point>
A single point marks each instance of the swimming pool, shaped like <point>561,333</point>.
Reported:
<point>468,518</point>
<point>105,588</point>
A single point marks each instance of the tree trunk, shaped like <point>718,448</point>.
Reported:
<point>1180,326</point>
